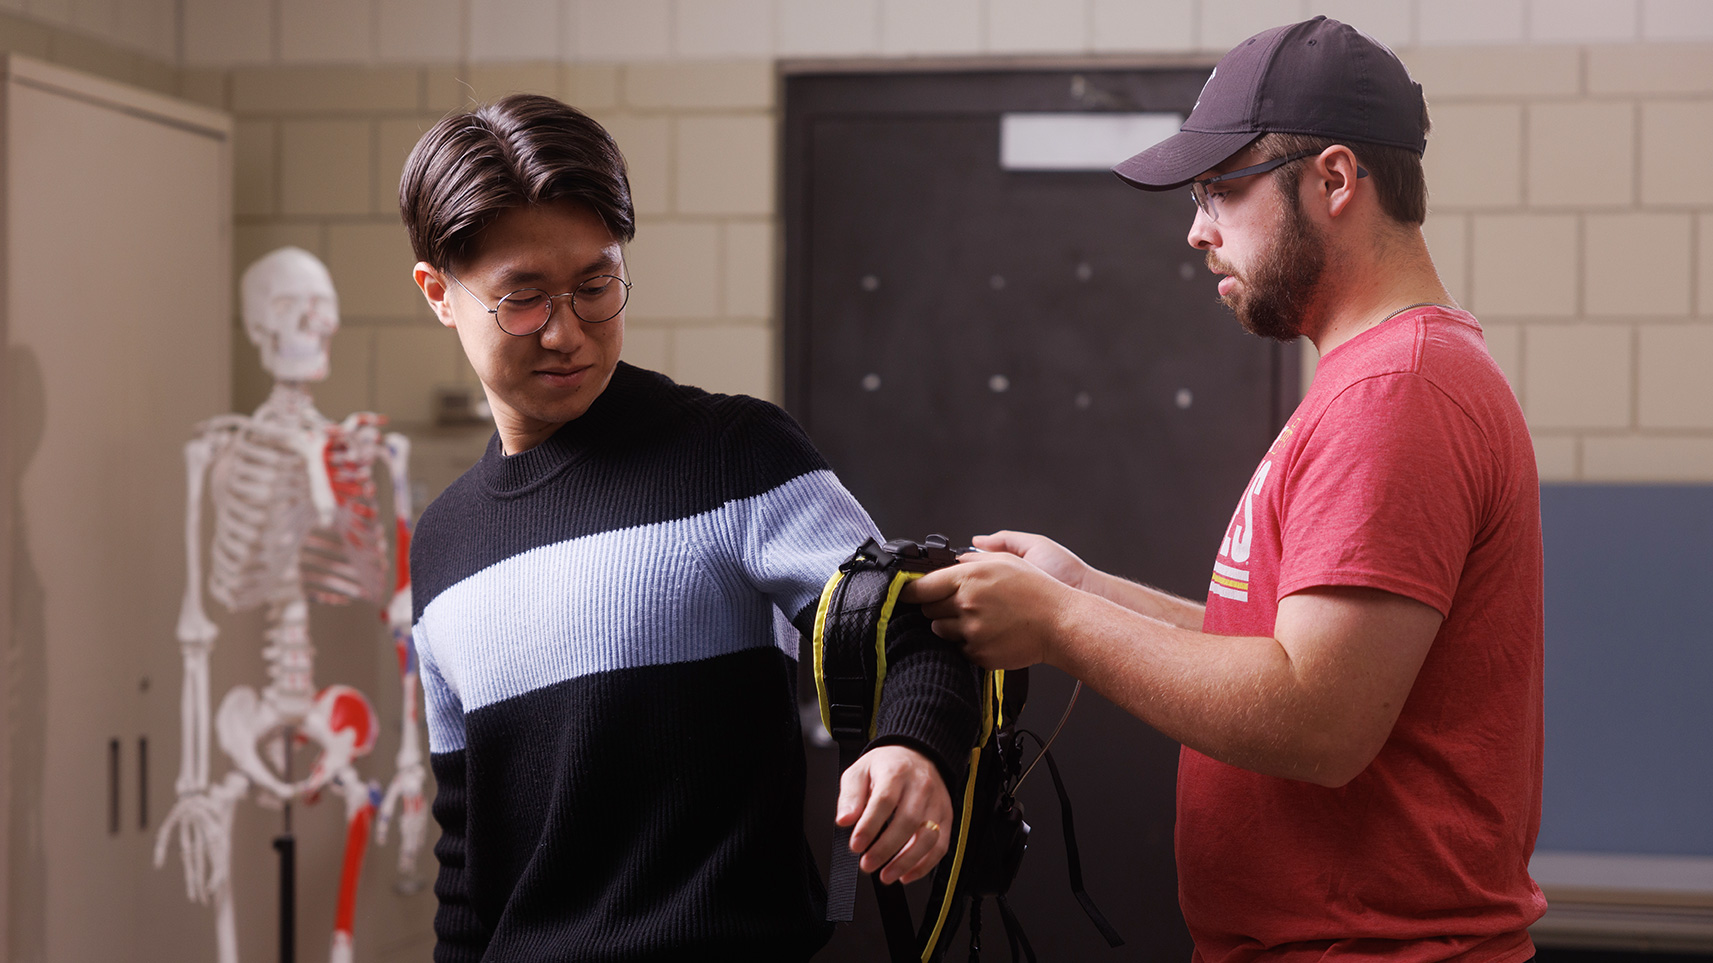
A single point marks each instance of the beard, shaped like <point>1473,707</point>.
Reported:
<point>1278,291</point>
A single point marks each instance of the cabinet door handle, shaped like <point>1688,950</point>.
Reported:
<point>113,787</point>
<point>142,782</point>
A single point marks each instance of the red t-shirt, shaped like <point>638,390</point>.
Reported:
<point>1407,468</point>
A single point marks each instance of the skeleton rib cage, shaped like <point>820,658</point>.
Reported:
<point>266,531</point>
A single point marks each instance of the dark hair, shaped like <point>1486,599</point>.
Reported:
<point>519,150</point>
<point>1399,183</point>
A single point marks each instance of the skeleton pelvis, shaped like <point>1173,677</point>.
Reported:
<point>341,721</point>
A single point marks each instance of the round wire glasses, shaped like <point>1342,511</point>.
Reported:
<point>527,310</point>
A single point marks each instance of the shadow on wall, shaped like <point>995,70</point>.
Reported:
<point>26,695</point>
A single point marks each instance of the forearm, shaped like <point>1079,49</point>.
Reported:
<point>1146,600</point>
<point>1243,701</point>
<point>930,699</point>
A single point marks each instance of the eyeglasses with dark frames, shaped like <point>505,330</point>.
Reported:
<point>1209,201</point>
<point>527,310</point>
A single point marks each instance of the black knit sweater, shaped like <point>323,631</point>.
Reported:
<point>607,626</point>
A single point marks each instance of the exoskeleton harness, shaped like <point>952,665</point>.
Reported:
<point>856,624</point>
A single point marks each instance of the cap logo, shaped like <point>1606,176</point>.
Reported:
<point>1205,86</point>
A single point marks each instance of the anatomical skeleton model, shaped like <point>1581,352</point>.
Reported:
<point>295,521</point>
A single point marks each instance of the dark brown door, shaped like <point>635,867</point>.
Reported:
<point>974,349</point>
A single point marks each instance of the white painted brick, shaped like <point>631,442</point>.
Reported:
<point>1447,237</point>
<point>1704,274</point>
<point>727,358</point>
<point>827,28</point>
<point>1637,264</point>
<point>1524,264</point>
<point>419,30</point>
<point>1142,25</point>
<point>410,362</point>
<point>510,30</point>
<point>1475,156</point>
<point>619,32</point>
<point>725,165</point>
<point>1556,457</point>
<point>350,373</point>
<point>1505,344</point>
<point>394,140</point>
<point>1487,73</point>
<point>749,269</point>
<point>254,172</point>
<point>1645,459</point>
<point>1444,22</point>
<point>648,346</point>
<point>251,241</point>
<point>224,32</point>
<point>371,268</point>
<point>1036,26</point>
<point>321,31</point>
<point>1577,376</point>
<point>58,12</point>
<point>1392,22</point>
<point>591,86</point>
<point>28,37</point>
<point>720,29</point>
<point>490,82</point>
<point>251,383</point>
<point>1677,20</point>
<point>930,26</point>
<point>1677,139</point>
<point>676,271</point>
<point>1650,68</point>
<point>325,166</point>
<point>1673,387</point>
<point>1581,154</point>
<point>1227,23</point>
<point>147,26</point>
<point>323,89</point>
<point>646,142</point>
<point>204,86</point>
<point>1582,21</point>
<point>700,85</point>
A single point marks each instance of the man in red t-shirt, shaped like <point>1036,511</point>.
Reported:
<point>1359,700</point>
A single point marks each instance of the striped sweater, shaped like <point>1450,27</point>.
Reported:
<point>607,626</point>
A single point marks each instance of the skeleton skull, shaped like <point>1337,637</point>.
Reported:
<point>290,313</point>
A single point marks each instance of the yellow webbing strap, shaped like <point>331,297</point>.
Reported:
<point>898,582</point>
<point>820,649</point>
<point>987,719</point>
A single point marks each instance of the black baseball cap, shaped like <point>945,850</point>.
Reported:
<point>1320,77</point>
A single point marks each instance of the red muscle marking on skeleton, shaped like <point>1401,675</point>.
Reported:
<point>401,548</point>
<point>356,845</point>
<point>351,712</point>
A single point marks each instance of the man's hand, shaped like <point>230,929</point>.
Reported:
<point>895,798</point>
<point>1042,552</point>
<point>1001,607</point>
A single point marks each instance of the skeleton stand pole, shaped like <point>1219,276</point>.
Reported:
<point>287,847</point>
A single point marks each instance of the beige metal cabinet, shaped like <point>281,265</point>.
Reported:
<point>117,323</point>
<point>117,267</point>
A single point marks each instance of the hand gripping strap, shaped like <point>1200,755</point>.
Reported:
<point>847,657</point>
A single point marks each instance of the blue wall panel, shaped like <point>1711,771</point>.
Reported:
<point>1629,668</point>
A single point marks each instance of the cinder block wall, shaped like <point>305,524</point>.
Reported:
<point>319,151</point>
<point>1572,212</point>
<point>1570,206</point>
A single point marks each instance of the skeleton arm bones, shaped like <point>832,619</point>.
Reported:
<point>405,790</point>
<point>201,818</point>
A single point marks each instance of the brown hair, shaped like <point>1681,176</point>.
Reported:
<point>1399,183</point>
<point>519,150</point>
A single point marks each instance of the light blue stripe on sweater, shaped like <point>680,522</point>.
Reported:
<point>678,591</point>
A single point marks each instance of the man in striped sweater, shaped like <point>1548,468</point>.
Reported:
<point>608,604</point>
